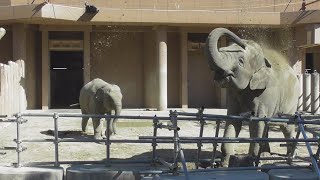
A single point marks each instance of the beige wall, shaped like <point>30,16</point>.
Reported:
<point>118,58</point>
<point>227,5</point>
<point>173,70</point>
<point>33,69</point>
<point>201,89</point>
<point>150,73</point>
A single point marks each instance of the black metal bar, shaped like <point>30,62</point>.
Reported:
<point>154,143</point>
<point>313,160</point>
<point>108,143</point>
<point>199,144</point>
<point>232,140</point>
<point>18,141</point>
<point>56,140</point>
<point>214,152</point>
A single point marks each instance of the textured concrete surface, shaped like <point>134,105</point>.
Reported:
<point>100,172</point>
<point>31,173</point>
<point>225,175</point>
<point>292,174</point>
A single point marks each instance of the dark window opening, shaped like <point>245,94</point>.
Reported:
<point>66,78</point>
<point>309,63</point>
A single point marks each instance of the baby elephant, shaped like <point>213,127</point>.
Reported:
<point>100,97</point>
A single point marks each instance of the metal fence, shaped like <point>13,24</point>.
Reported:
<point>177,141</point>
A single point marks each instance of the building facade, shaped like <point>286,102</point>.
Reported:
<point>152,49</point>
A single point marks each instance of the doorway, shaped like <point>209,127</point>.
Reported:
<point>66,73</point>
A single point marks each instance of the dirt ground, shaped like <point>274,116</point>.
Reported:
<point>70,128</point>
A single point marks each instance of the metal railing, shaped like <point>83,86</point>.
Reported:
<point>173,118</point>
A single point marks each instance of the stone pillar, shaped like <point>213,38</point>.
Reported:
<point>161,39</point>
<point>184,69</point>
<point>45,71</point>
<point>315,93</point>
<point>306,92</point>
<point>86,57</point>
<point>300,100</point>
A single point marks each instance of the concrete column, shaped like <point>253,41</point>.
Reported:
<point>300,100</point>
<point>19,42</point>
<point>86,57</point>
<point>161,39</point>
<point>45,71</point>
<point>306,92</point>
<point>315,93</point>
<point>184,69</point>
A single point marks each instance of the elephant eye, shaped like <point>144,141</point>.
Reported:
<point>241,62</point>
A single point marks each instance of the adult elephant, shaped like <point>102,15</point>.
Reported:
<point>256,81</point>
<point>100,97</point>
<point>2,32</point>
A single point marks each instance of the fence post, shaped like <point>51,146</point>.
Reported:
<point>56,140</point>
<point>154,140</point>
<point>174,121</point>
<point>108,119</point>
<point>18,141</point>
<point>199,143</point>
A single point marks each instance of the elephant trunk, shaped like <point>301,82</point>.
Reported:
<point>2,32</point>
<point>117,112</point>
<point>216,59</point>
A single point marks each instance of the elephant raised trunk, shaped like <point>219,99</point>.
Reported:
<point>214,55</point>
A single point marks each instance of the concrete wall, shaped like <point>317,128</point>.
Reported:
<point>150,73</point>
<point>174,70</point>
<point>33,69</point>
<point>249,5</point>
<point>6,47</point>
<point>201,89</point>
<point>118,58</point>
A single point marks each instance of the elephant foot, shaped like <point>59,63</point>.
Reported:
<point>97,137</point>
<point>241,160</point>
<point>225,161</point>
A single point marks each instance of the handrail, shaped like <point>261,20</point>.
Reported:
<point>173,117</point>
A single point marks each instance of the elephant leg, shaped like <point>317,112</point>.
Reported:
<point>84,122</point>
<point>97,128</point>
<point>288,132</point>
<point>256,131</point>
<point>232,129</point>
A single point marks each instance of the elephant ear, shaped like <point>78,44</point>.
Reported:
<point>261,78</point>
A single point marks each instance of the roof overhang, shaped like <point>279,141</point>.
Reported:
<point>53,13</point>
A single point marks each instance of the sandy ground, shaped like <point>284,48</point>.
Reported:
<point>70,128</point>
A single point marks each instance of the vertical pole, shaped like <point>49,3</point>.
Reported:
<point>18,141</point>
<point>154,140</point>
<point>313,160</point>
<point>56,140</point>
<point>173,117</point>
<point>107,163</point>
<point>199,143</point>
<point>213,157</point>
<point>294,145</point>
